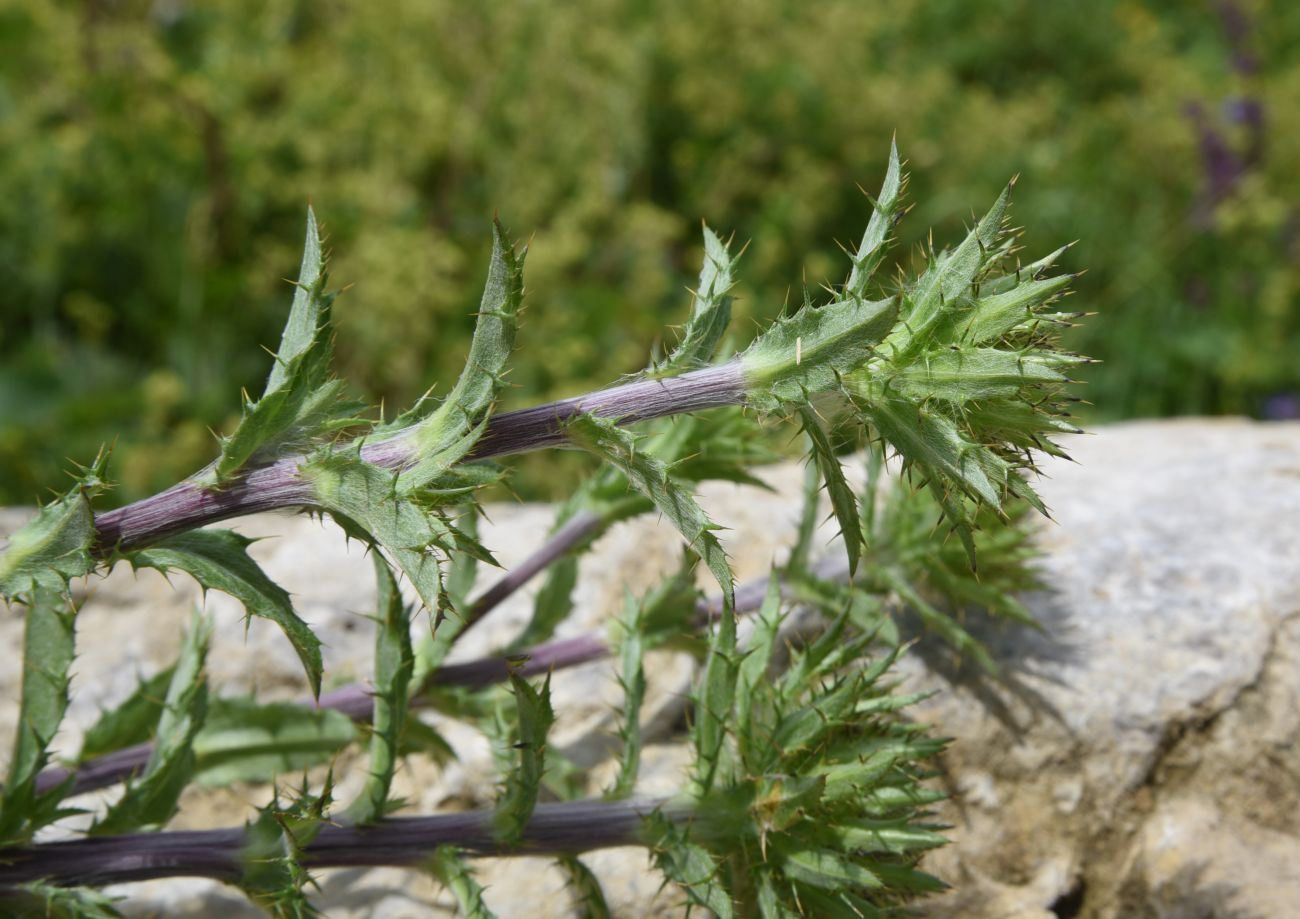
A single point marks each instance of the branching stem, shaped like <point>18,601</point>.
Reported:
<point>191,503</point>
<point>354,700</point>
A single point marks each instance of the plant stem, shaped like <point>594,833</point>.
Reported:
<point>566,827</point>
<point>355,699</point>
<point>191,503</point>
<point>571,533</point>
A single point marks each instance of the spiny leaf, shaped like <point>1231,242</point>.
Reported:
<point>933,442</point>
<point>517,801</point>
<point>364,498</point>
<point>666,615</point>
<point>219,560</point>
<point>48,641</point>
<point>244,740</point>
<point>272,874</point>
<point>450,431</point>
<point>56,545</point>
<point>651,477</point>
<point>302,328</point>
<point>46,901</point>
<point>770,904</point>
<point>711,313</point>
<point>872,248</point>
<point>946,281</point>
<point>714,701</point>
<point>751,675</point>
<point>150,801</point>
<point>690,866</point>
<point>945,626</point>
<point>300,404</point>
<point>1000,284</point>
<point>844,504</point>
<point>823,868</point>
<point>448,867</point>
<point>994,315</point>
<point>962,374</point>
<point>464,565</point>
<point>394,664</point>
<point>589,898</point>
<point>812,350</point>
<point>632,678</point>
<point>130,723</point>
<point>801,551</point>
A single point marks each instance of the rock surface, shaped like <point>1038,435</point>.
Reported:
<point>1141,760</point>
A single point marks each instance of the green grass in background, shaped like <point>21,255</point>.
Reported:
<point>156,159</point>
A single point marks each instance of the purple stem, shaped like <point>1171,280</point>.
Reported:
<point>190,504</point>
<point>567,827</point>
<point>574,531</point>
<point>356,701</point>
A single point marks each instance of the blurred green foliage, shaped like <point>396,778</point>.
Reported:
<point>156,159</point>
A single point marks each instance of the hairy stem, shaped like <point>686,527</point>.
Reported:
<point>191,504</point>
<point>567,827</point>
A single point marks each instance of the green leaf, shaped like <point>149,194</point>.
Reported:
<point>630,645</point>
<point>666,614</point>
<point>300,404</point>
<point>751,676</point>
<point>961,375</point>
<point>822,868</point>
<point>56,545</point>
<point>651,478</point>
<point>46,901</point>
<point>714,701</point>
<point>897,836</point>
<point>364,499</point>
<point>302,329</point>
<point>941,623</point>
<point>243,740</point>
<point>150,801</point>
<point>48,647</point>
<point>519,797</point>
<point>463,571</point>
<point>688,865</point>
<point>272,873</point>
<point>810,351</point>
<point>133,722</point>
<point>450,431</point>
<point>871,251</point>
<point>219,560</point>
<point>946,282</point>
<point>419,737</point>
<point>801,551</point>
<point>934,443</point>
<point>770,905</point>
<point>448,867</point>
<point>1000,284</point>
<point>553,603</point>
<point>589,898</point>
<point>711,313</point>
<point>844,503</point>
<point>995,315</point>
<point>394,665</point>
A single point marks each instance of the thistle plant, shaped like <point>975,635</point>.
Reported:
<point>808,791</point>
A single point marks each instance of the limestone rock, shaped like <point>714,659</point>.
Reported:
<point>1140,759</point>
<point>1145,746</point>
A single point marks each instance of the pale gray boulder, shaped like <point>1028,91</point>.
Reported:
<point>1141,758</point>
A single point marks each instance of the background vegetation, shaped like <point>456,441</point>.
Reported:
<point>156,158</point>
